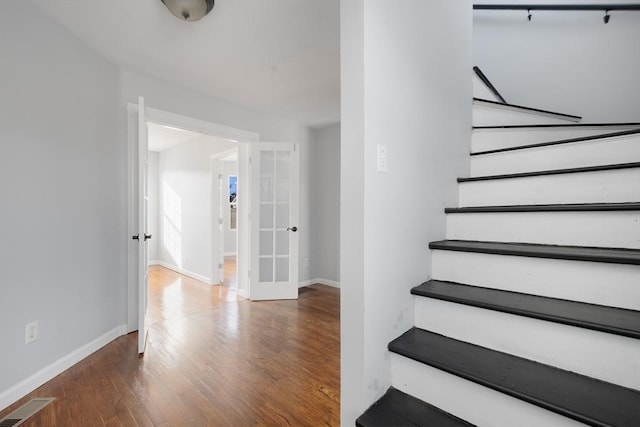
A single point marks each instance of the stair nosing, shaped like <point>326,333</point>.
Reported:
<point>534,250</point>
<point>558,142</point>
<point>553,125</point>
<point>500,384</point>
<point>531,109</point>
<point>394,394</point>
<point>552,172</point>
<point>528,312</point>
<point>569,207</point>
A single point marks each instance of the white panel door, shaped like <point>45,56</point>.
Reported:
<point>143,236</point>
<point>274,221</point>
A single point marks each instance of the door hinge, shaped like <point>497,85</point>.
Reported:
<point>220,221</point>
<point>219,176</point>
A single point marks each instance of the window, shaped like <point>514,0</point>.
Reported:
<point>233,201</point>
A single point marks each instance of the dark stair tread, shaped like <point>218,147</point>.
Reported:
<point>553,172</point>
<point>576,396</point>
<point>575,253</point>
<point>528,109</point>
<point>569,207</point>
<point>613,320</point>
<point>396,408</point>
<point>559,125</point>
<point>558,142</point>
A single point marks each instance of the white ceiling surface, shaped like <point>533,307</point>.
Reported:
<point>281,56</point>
<point>163,137</point>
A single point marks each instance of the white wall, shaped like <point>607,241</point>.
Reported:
<point>153,207</point>
<point>62,207</point>
<point>405,84</point>
<point>184,185</point>
<point>230,168</point>
<point>569,62</point>
<point>325,256</point>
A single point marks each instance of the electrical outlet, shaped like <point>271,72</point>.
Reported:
<point>306,261</point>
<point>31,333</point>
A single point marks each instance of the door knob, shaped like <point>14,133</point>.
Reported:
<point>294,228</point>
<point>147,236</point>
<point>136,237</point>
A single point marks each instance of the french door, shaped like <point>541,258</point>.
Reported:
<point>274,221</point>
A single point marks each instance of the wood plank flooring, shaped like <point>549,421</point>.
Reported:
<point>213,359</point>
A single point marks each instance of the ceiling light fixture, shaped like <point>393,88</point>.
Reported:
<point>189,10</point>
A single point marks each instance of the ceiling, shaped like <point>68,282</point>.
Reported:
<point>280,56</point>
<point>163,137</point>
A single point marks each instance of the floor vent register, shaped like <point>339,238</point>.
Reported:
<point>27,410</point>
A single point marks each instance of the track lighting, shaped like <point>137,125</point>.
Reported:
<point>529,14</point>
<point>189,10</point>
<point>606,16</point>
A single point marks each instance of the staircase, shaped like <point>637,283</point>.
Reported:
<point>532,316</point>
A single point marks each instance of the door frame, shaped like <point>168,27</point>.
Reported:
<point>244,138</point>
<point>217,232</point>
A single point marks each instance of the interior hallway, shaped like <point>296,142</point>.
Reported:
<point>212,359</point>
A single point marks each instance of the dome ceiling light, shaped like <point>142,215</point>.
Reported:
<point>189,10</point>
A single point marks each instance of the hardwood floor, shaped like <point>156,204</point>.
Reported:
<point>212,359</point>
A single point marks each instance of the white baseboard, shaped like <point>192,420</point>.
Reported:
<point>177,269</point>
<point>154,262</point>
<point>243,293</point>
<point>26,386</point>
<point>229,254</point>
<point>325,282</point>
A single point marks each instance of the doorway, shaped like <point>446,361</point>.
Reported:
<point>225,216</point>
<point>267,240</point>
<point>179,244</point>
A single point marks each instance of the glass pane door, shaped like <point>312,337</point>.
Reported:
<point>275,204</point>
<point>275,190</point>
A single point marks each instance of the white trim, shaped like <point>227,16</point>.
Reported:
<point>325,282</point>
<point>199,277</point>
<point>29,384</point>
<point>230,254</point>
<point>195,125</point>
<point>306,283</point>
<point>243,293</point>
<point>154,262</point>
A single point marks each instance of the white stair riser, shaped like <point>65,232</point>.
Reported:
<point>608,357</point>
<point>618,185</point>
<point>480,90</point>
<point>614,285</point>
<point>611,229</point>
<point>608,151</point>
<point>495,115</point>
<point>470,401</point>
<point>494,139</point>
